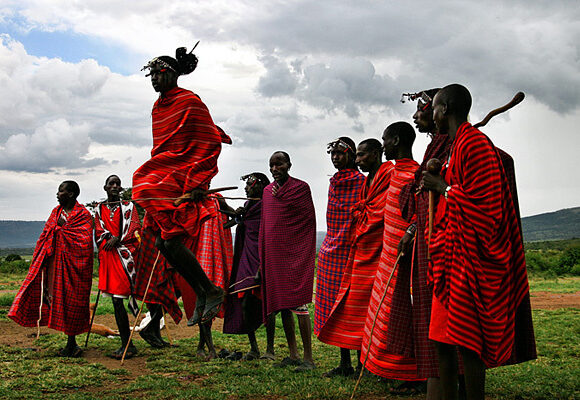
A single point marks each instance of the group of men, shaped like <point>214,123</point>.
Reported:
<point>416,267</point>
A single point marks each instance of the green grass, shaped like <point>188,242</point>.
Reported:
<point>569,284</point>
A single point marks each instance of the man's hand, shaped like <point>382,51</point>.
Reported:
<point>405,244</point>
<point>198,194</point>
<point>61,221</point>
<point>432,182</point>
<point>111,243</point>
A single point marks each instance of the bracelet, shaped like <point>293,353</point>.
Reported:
<point>412,229</point>
<point>446,193</point>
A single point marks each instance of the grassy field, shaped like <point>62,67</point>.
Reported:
<point>31,371</point>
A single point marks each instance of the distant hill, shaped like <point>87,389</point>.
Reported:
<point>563,224</point>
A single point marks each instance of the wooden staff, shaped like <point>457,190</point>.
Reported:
<point>141,309</point>
<point>187,196</point>
<point>167,328</point>
<point>433,167</point>
<point>41,303</point>
<point>374,323</point>
<point>518,98</point>
<point>93,318</point>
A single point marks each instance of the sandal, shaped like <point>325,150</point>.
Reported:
<point>198,312</point>
<point>339,371</point>
<point>251,356</point>
<point>288,362</point>
<point>268,356</point>
<point>72,353</point>
<point>409,388</point>
<point>152,339</point>
<point>212,307</point>
<point>305,366</point>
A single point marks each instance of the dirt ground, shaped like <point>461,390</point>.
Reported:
<point>14,335</point>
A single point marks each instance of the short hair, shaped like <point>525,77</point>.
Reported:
<point>260,177</point>
<point>373,145</point>
<point>457,98</point>
<point>72,187</point>
<point>350,142</point>
<point>286,156</point>
<point>404,131</point>
<point>110,176</point>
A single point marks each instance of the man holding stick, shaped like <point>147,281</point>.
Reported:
<point>477,259</point>
<point>186,146</point>
<point>58,284</point>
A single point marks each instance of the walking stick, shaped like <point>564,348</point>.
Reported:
<point>41,303</point>
<point>140,309</point>
<point>433,167</point>
<point>518,98</point>
<point>92,318</point>
<point>374,323</point>
<point>167,328</point>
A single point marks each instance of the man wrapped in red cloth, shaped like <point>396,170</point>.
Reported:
<point>477,259</point>
<point>398,141</point>
<point>345,325</point>
<point>117,229</point>
<point>287,245</point>
<point>344,191</point>
<point>186,146</point>
<point>60,273</point>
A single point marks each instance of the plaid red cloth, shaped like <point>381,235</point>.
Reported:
<point>163,288</point>
<point>287,246</point>
<point>477,258</point>
<point>70,250</point>
<point>345,324</point>
<point>380,361</point>
<point>215,254</point>
<point>186,146</point>
<point>343,192</point>
<point>400,339</point>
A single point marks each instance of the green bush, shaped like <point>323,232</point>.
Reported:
<point>13,257</point>
<point>12,267</point>
<point>569,258</point>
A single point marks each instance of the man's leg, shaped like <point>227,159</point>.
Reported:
<point>305,327</point>
<point>123,324</point>
<point>71,349</point>
<point>254,350</point>
<point>433,389</point>
<point>270,333</point>
<point>205,329</point>
<point>289,331</point>
<point>447,355</point>
<point>152,333</point>
<point>474,374</point>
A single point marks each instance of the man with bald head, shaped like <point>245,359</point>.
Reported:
<point>287,245</point>
<point>477,259</point>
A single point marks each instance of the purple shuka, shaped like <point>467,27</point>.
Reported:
<point>287,246</point>
<point>245,268</point>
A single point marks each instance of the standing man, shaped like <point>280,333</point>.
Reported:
<point>63,257</point>
<point>477,259</point>
<point>398,141</point>
<point>117,229</point>
<point>345,325</point>
<point>186,146</point>
<point>287,246</point>
<point>344,191</point>
<point>243,307</point>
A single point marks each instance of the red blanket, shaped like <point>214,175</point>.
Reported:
<point>343,193</point>
<point>69,250</point>
<point>381,361</point>
<point>344,327</point>
<point>287,246</point>
<point>478,265</point>
<point>186,146</point>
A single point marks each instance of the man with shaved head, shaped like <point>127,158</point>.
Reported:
<point>477,260</point>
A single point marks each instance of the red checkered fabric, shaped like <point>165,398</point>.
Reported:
<point>402,340</point>
<point>344,327</point>
<point>343,192</point>
<point>287,246</point>
<point>477,258</point>
<point>380,360</point>
<point>70,250</point>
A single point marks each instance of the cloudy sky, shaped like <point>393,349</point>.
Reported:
<point>279,75</point>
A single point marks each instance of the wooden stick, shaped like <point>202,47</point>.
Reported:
<point>433,167</point>
<point>518,98</point>
<point>373,326</point>
<point>92,318</point>
<point>167,328</point>
<point>140,309</point>
<point>187,196</point>
<point>41,303</point>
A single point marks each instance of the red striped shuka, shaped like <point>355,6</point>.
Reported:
<point>381,361</point>
<point>345,324</point>
<point>343,192</point>
<point>478,267</point>
<point>214,252</point>
<point>186,146</point>
<point>65,254</point>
